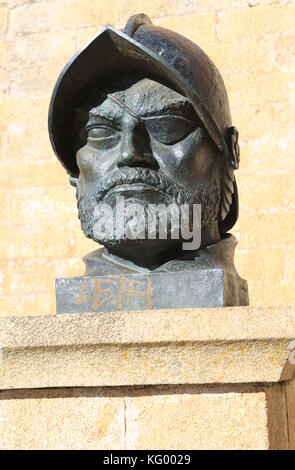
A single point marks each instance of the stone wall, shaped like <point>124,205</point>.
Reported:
<point>251,42</point>
<point>133,418</point>
<point>218,378</point>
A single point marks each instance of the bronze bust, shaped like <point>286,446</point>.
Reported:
<point>140,119</point>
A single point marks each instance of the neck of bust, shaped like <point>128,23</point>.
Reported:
<point>151,255</point>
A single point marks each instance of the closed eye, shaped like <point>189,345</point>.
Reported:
<point>101,132</point>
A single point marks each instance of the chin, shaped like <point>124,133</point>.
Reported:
<point>145,253</point>
<point>136,247</point>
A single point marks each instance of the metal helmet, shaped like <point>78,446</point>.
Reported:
<point>163,54</point>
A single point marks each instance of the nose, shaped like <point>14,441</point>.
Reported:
<point>136,150</point>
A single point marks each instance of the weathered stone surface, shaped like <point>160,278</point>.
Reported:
<point>197,421</point>
<point>69,420</point>
<point>3,19</point>
<point>289,389</point>
<point>255,22</point>
<point>221,345</point>
<point>233,416</point>
<point>185,374</point>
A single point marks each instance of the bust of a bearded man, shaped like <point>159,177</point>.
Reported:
<point>141,121</point>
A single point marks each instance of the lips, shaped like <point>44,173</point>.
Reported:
<point>141,193</point>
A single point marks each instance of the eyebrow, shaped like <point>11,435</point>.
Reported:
<point>96,116</point>
<point>182,109</point>
<point>172,116</point>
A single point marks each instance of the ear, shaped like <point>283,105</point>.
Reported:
<point>229,165</point>
<point>232,141</point>
<point>73,181</point>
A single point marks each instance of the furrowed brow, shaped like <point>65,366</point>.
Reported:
<point>124,106</point>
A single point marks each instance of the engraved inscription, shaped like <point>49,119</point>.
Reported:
<point>118,291</point>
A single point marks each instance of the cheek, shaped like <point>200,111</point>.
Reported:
<point>87,162</point>
<point>93,164</point>
<point>186,159</point>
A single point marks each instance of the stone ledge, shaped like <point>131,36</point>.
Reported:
<point>187,346</point>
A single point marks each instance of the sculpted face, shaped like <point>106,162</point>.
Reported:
<point>146,143</point>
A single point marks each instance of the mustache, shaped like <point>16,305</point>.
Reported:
<point>206,194</point>
<point>160,182</point>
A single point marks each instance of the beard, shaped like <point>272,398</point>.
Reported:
<point>154,189</point>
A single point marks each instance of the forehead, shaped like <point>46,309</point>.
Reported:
<point>144,98</point>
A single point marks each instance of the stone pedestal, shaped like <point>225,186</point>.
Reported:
<point>159,379</point>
